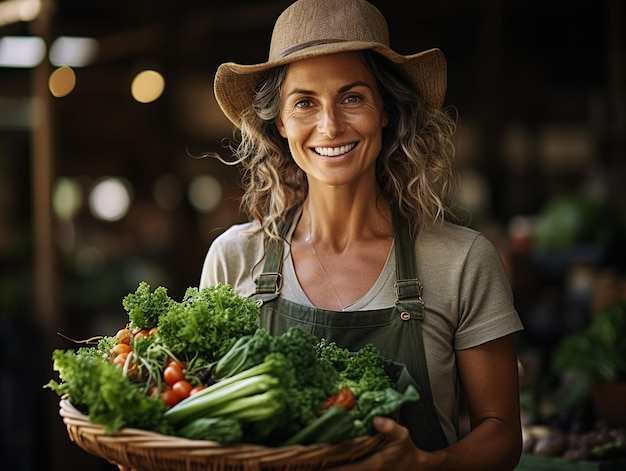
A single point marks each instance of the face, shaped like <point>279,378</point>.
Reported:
<point>332,115</point>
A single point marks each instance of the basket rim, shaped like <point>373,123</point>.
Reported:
<point>129,446</point>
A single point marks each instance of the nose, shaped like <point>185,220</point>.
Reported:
<point>329,121</point>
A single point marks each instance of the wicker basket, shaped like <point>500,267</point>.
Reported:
<point>150,451</point>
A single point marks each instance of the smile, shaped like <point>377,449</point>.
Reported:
<point>335,151</point>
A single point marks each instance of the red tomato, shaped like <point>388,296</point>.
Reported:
<point>344,398</point>
<point>169,397</point>
<point>172,374</point>
<point>182,388</point>
<point>180,363</point>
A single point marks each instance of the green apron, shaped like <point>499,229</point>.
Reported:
<point>396,331</point>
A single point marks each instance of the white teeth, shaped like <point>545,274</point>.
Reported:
<point>334,151</point>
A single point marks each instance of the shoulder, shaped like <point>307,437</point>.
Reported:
<point>239,245</point>
<point>238,236</point>
<point>446,236</point>
<point>232,255</point>
<point>453,248</point>
<point>466,283</point>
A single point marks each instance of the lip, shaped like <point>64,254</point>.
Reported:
<point>335,151</point>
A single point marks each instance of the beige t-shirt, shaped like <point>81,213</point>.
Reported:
<point>467,295</point>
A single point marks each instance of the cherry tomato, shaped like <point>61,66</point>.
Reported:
<point>124,335</point>
<point>172,374</point>
<point>196,389</point>
<point>178,362</point>
<point>182,388</point>
<point>344,398</point>
<point>169,397</point>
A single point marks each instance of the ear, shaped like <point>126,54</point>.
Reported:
<point>281,127</point>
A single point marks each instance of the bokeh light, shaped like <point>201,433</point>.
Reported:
<point>73,51</point>
<point>147,86</point>
<point>67,198</point>
<point>205,193</point>
<point>109,200</point>
<point>21,51</point>
<point>62,81</point>
<point>22,10</point>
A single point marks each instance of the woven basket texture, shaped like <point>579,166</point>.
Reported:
<point>149,451</point>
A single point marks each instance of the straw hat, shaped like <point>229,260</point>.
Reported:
<point>310,28</point>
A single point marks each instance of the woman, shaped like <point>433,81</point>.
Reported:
<point>349,183</point>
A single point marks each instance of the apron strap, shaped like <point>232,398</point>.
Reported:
<point>270,281</point>
<point>410,303</point>
<point>408,286</point>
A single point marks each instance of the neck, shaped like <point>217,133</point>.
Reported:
<point>338,224</point>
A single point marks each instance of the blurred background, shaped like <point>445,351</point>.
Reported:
<point>105,108</point>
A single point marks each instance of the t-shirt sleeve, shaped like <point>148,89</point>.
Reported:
<point>486,305</point>
<point>214,267</point>
<point>232,259</point>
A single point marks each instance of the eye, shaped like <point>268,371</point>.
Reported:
<point>302,103</point>
<point>353,99</point>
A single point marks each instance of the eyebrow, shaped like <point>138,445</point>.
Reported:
<point>345,88</point>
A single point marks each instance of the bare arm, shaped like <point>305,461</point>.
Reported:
<point>489,376</point>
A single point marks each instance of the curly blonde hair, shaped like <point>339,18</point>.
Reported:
<point>414,169</point>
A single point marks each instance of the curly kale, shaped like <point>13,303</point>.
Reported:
<point>338,356</point>
<point>361,371</point>
<point>208,322</point>
<point>301,348</point>
<point>100,389</point>
<point>145,307</point>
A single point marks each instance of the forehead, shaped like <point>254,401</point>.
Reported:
<point>323,70</point>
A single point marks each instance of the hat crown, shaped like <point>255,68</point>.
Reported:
<point>307,23</point>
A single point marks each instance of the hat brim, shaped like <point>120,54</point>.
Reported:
<point>234,84</point>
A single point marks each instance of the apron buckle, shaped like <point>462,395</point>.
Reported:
<point>269,282</point>
<point>409,289</point>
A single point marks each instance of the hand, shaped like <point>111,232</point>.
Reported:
<point>399,452</point>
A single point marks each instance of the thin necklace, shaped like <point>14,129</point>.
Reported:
<point>319,262</point>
